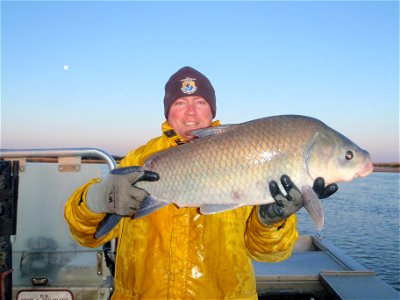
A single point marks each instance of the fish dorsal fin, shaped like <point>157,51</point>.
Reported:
<point>210,131</point>
<point>208,209</point>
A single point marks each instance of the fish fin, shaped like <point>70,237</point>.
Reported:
<point>210,131</point>
<point>313,206</point>
<point>208,209</point>
<point>107,224</point>
<point>149,205</point>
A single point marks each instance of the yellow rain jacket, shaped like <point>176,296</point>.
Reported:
<point>177,253</point>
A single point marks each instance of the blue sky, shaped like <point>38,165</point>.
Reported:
<point>337,61</point>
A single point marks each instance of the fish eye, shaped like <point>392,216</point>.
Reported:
<point>349,155</point>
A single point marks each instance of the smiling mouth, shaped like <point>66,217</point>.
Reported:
<point>191,123</point>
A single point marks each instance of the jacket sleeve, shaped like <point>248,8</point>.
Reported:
<point>83,222</point>
<point>270,243</point>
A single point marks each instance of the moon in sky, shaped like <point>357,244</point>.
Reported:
<point>66,67</point>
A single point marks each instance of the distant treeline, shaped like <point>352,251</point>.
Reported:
<point>387,165</point>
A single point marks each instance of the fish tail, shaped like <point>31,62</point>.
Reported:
<point>313,206</point>
<point>149,205</point>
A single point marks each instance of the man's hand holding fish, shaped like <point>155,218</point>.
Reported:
<point>286,205</point>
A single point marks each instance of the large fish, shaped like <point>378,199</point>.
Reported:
<point>231,166</point>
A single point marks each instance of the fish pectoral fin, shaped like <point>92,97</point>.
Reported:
<point>208,209</point>
<point>149,205</point>
<point>106,225</point>
<point>313,206</point>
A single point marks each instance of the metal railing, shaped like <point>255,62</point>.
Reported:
<point>63,152</point>
<point>59,152</point>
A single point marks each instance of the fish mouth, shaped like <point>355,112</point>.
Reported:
<point>368,168</point>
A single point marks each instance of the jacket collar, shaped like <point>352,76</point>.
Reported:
<point>173,137</point>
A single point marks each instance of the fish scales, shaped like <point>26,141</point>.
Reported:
<point>231,166</point>
<point>235,166</point>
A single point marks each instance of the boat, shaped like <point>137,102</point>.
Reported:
<point>42,261</point>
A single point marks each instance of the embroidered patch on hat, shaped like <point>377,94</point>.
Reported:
<point>188,85</point>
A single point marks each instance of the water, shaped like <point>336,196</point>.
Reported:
<point>362,219</point>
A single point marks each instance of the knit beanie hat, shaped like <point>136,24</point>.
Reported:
<point>188,82</point>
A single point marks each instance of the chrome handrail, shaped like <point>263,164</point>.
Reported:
<point>59,152</point>
<point>63,152</point>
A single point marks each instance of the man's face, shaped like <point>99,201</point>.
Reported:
<point>189,113</point>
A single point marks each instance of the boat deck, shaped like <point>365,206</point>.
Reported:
<point>317,269</point>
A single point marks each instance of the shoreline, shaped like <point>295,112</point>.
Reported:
<point>387,167</point>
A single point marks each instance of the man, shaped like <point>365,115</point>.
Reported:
<point>177,253</point>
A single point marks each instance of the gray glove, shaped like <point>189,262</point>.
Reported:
<point>284,206</point>
<point>117,193</point>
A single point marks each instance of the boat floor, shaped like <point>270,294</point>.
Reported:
<point>317,269</point>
